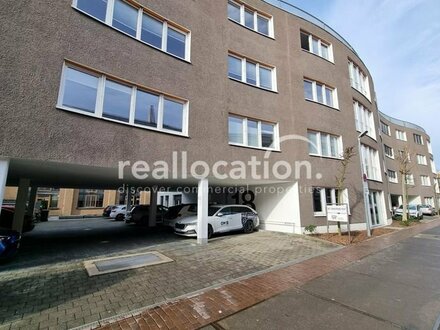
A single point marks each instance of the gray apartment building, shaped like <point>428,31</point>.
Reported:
<point>206,87</point>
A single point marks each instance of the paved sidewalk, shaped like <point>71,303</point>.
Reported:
<point>218,303</point>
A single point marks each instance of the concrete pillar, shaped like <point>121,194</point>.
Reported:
<point>4,166</point>
<point>202,212</point>
<point>153,207</point>
<point>20,204</point>
<point>32,198</point>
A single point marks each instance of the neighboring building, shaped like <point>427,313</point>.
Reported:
<point>109,81</point>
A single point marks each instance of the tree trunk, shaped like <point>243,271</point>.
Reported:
<point>404,200</point>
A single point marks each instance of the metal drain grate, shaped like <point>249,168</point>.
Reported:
<point>116,264</point>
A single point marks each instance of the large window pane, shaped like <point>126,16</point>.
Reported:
<point>125,17</point>
<point>334,148</point>
<point>234,67</point>
<point>235,130</point>
<point>317,205</point>
<point>305,41</point>
<point>117,99</point>
<point>315,46</point>
<point>324,145</point>
<point>319,93</point>
<point>176,43</point>
<point>313,143</point>
<point>265,78</point>
<point>308,90</point>
<point>329,96</point>
<point>324,51</point>
<point>96,8</point>
<point>252,133</point>
<point>251,73</point>
<point>234,11</point>
<point>249,18</point>
<point>151,31</point>
<point>173,115</point>
<point>146,109</point>
<point>80,90</point>
<point>263,25</point>
<point>267,135</point>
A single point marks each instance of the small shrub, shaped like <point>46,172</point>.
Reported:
<point>310,228</point>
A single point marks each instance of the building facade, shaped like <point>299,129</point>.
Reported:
<point>90,84</point>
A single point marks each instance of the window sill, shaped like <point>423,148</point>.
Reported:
<point>375,180</point>
<point>393,182</point>
<point>89,114</point>
<point>255,86</point>
<point>365,96</point>
<point>134,38</point>
<point>325,105</point>
<point>316,215</point>
<point>325,157</point>
<point>248,28</point>
<point>256,148</point>
<point>309,52</point>
<point>390,157</point>
<point>368,135</point>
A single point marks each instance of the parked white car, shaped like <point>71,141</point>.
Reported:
<point>415,211</point>
<point>118,212</point>
<point>428,210</point>
<point>177,212</point>
<point>221,219</point>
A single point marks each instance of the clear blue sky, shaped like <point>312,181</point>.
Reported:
<point>399,41</point>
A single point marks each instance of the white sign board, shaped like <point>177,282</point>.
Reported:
<point>337,213</point>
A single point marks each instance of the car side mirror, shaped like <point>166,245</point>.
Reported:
<point>220,214</point>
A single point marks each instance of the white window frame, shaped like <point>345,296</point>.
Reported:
<point>425,180</point>
<point>324,96</point>
<point>371,163</point>
<point>323,213</point>
<point>392,179</point>
<point>327,136</point>
<point>385,151</point>
<point>244,61</point>
<point>433,168</point>
<point>421,159</point>
<point>400,135</point>
<point>409,179</point>
<point>359,80</point>
<point>320,43</point>
<point>421,139</point>
<point>364,119</point>
<point>428,144</point>
<point>276,139</point>
<point>145,11</point>
<point>429,201</point>
<point>387,128</point>
<point>98,113</point>
<point>243,8</point>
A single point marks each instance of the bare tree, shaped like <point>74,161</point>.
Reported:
<point>405,168</point>
<point>347,158</point>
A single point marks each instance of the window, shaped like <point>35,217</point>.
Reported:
<point>139,23</point>
<point>421,160</point>
<point>323,196</point>
<point>389,152</point>
<point>418,139</point>
<point>323,144</point>
<point>429,201</point>
<point>371,163</point>
<point>359,80</point>
<point>428,143</point>
<point>316,46</point>
<point>425,180</point>
<point>250,18</point>
<point>252,73</point>
<point>252,133</point>
<point>400,135</point>
<point>364,119</point>
<point>90,198</point>
<point>318,92</point>
<point>392,176</point>
<point>129,104</point>
<point>409,179</point>
<point>385,128</point>
<point>433,169</point>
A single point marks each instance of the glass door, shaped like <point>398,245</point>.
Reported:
<point>374,198</point>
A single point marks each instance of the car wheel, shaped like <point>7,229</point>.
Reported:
<point>119,217</point>
<point>248,227</point>
<point>210,231</point>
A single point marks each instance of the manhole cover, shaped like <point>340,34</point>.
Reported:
<point>116,264</point>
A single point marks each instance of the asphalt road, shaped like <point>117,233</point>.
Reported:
<point>398,287</point>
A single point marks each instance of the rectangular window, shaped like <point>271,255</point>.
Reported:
<point>151,29</point>
<point>323,144</point>
<point>421,160</point>
<point>252,133</point>
<point>364,119</point>
<point>252,73</point>
<point>428,143</point>
<point>250,18</point>
<point>429,201</point>
<point>121,102</point>
<point>400,135</point>
<point>321,93</point>
<point>323,196</point>
<point>418,139</point>
<point>389,152</point>
<point>371,163</point>
<point>90,198</point>
<point>385,128</point>
<point>409,179</point>
<point>433,168</point>
<point>392,176</point>
<point>316,46</point>
<point>426,180</point>
<point>359,80</point>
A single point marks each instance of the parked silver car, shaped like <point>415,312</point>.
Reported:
<point>428,210</point>
<point>415,212</point>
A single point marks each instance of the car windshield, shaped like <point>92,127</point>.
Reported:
<point>212,210</point>
<point>412,207</point>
